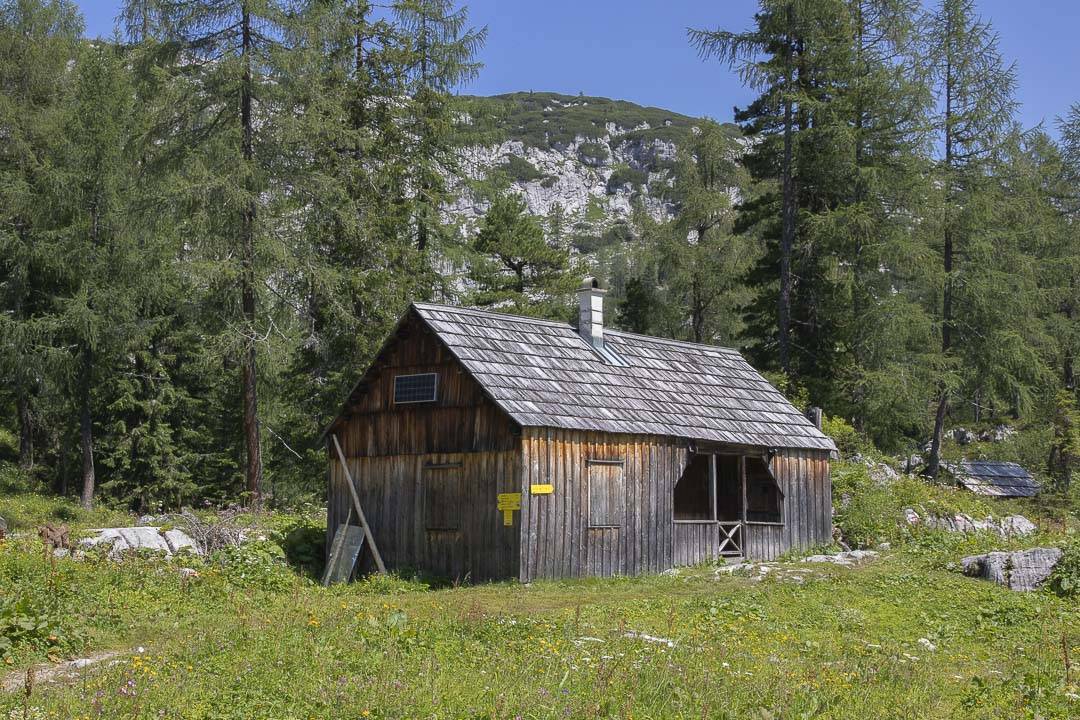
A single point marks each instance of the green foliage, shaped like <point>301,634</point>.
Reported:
<point>551,120</point>
<point>1065,579</point>
<point>518,169</point>
<point>32,622</point>
<point>849,441</point>
<point>515,266</point>
<point>625,175</point>
<point>256,565</point>
<point>592,153</point>
<point>869,512</point>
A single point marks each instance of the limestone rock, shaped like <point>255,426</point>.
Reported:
<point>998,433</point>
<point>849,557</point>
<point>963,436</point>
<point>1024,570</point>
<point>1010,526</point>
<point>121,540</point>
<point>1017,526</point>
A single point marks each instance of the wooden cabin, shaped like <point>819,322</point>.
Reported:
<point>487,446</point>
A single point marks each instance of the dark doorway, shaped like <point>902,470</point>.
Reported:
<point>692,491</point>
<point>728,488</point>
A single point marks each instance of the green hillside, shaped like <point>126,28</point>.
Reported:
<point>553,120</point>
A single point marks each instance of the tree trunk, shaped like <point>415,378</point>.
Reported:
<point>934,464</point>
<point>86,432</point>
<point>26,432</point>
<point>247,280</point>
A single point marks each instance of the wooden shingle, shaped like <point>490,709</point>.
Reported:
<point>543,374</point>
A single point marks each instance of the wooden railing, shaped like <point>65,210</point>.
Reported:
<point>731,538</point>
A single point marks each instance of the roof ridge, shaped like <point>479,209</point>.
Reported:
<point>671,341</point>
<point>495,313</point>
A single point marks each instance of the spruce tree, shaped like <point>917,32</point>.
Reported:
<point>95,306</point>
<point>516,267</point>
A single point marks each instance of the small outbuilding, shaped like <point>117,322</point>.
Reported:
<point>481,445</point>
<point>994,478</point>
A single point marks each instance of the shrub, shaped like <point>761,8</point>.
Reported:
<point>593,153</point>
<point>521,170</point>
<point>259,565</point>
<point>849,441</point>
<point>1065,580</point>
<point>624,175</point>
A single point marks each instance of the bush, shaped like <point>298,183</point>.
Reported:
<point>592,153</point>
<point>521,170</point>
<point>1065,580</point>
<point>33,622</point>
<point>849,441</point>
<point>625,175</point>
<point>258,565</point>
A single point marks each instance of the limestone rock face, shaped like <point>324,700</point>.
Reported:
<point>1009,526</point>
<point>121,540</point>
<point>1024,570</point>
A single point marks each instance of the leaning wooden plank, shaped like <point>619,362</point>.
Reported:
<point>359,510</point>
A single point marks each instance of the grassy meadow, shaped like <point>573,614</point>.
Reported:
<point>253,636</point>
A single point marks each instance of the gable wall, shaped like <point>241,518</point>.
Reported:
<point>462,419</point>
<point>399,455</point>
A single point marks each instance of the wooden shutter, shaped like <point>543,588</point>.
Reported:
<point>442,486</point>
<point>607,494</point>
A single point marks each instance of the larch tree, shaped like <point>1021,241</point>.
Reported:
<point>438,55</point>
<point>38,39</point>
<point>216,123</point>
<point>974,90</point>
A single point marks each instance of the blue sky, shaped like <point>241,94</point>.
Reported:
<point>636,50</point>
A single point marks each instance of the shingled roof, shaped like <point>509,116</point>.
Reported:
<point>544,374</point>
<point>995,478</point>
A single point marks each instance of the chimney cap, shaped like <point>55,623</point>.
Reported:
<point>589,284</point>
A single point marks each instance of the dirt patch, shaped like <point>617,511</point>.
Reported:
<point>48,673</point>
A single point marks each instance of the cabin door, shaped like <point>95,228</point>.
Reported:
<point>442,487</point>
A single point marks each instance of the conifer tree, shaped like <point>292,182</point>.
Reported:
<point>95,306</point>
<point>974,89</point>
<point>216,123</point>
<point>438,54</point>
<point>38,38</point>
<point>515,266</point>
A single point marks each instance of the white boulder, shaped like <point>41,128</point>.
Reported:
<point>121,540</point>
<point>1024,570</point>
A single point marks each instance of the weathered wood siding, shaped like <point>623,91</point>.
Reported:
<point>696,542</point>
<point>428,512</point>
<point>803,476</point>
<point>462,418</point>
<point>556,537</point>
<point>428,474</point>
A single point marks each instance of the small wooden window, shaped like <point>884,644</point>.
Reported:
<point>415,388</point>
<point>607,493</point>
<point>764,498</point>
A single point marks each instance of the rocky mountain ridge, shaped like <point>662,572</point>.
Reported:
<point>592,159</point>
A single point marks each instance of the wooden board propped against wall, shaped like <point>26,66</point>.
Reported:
<point>344,552</point>
<point>346,543</point>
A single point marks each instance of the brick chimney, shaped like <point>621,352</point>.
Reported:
<point>591,312</point>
